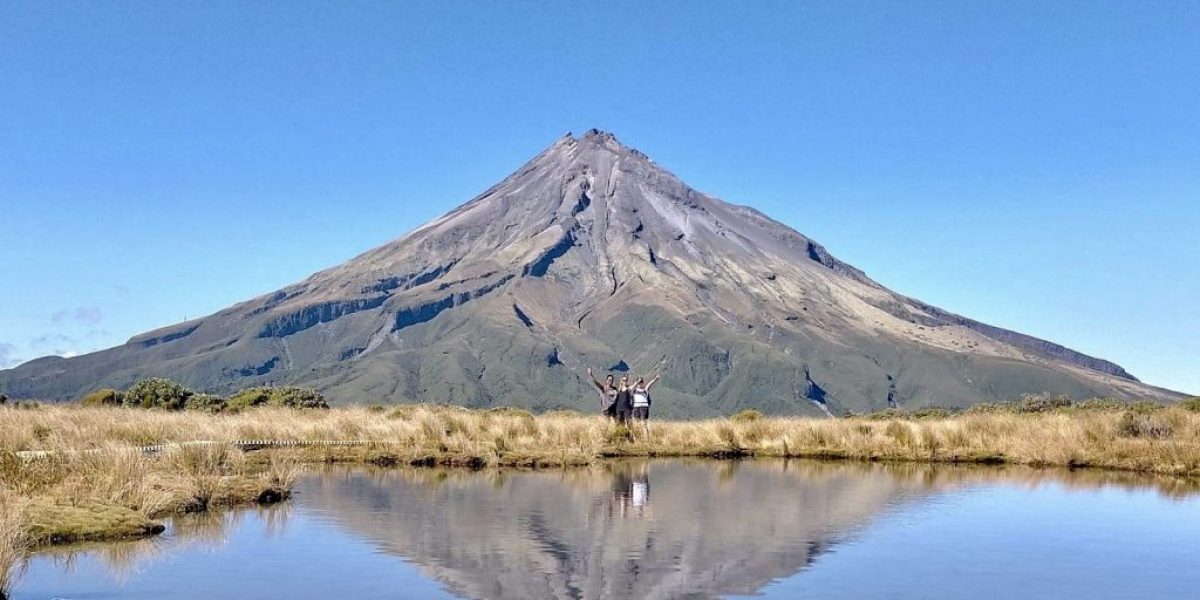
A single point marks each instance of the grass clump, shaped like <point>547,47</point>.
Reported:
<point>1192,405</point>
<point>104,397</point>
<point>1099,404</point>
<point>925,412</point>
<point>14,538</point>
<point>1039,403</point>
<point>747,416</point>
<point>932,412</point>
<point>55,523</point>
<point>1144,424</point>
<point>886,414</point>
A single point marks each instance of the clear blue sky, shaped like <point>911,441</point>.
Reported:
<point>1034,165</point>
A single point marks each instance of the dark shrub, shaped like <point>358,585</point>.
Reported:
<point>1146,407</point>
<point>991,408</point>
<point>1100,404</point>
<point>205,403</point>
<point>1037,403</point>
<point>157,392</point>
<point>886,414</point>
<point>104,397</point>
<point>289,397</point>
<point>249,397</point>
<point>932,412</point>
<point>1192,405</point>
<point>3,399</point>
<point>1138,424</point>
<point>298,398</point>
<point>747,416</point>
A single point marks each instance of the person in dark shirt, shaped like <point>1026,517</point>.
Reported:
<point>623,408</point>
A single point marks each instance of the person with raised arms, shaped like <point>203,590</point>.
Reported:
<point>641,401</point>
<point>608,394</point>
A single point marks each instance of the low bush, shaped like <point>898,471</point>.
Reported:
<point>156,392</point>
<point>205,402</point>
<point>1139,424</point>
<point>1192,405</point>
<point>886,414</point>
<point>3,399</point>
<point>1146,407</point>
<point>293,397</point>
<point>932,412</point>
<point>747,416</point>
<point>286,397</point>
<point>991,408</point>
<point>895,414</point>
<point>1037,403</point>
<point>248,398</point>
<point>103,397</point>
<point>1099,404</point>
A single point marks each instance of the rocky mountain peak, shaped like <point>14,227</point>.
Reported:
<point>590,254</point>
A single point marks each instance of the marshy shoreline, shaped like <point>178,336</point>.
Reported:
<point>89,478</point>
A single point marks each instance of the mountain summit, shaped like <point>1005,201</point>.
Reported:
<point>591,254</point>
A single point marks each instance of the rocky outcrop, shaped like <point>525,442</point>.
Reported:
<point>309,316</point>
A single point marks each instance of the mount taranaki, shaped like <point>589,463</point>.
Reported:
<point>593,255</point>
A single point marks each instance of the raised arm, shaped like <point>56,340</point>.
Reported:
<point>595,382</point>
<point>650,384</point>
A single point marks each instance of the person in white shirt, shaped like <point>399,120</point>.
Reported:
<point>641,401</point>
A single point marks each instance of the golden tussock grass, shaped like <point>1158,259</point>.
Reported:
<point>14,539</point>
<point>94,486</point>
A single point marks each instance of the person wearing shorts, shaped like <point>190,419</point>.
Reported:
<point>640,395</point>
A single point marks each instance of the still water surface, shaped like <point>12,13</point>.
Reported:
<point>668,529</point>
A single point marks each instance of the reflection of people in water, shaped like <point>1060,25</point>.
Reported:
<point>632,490</point>
<point>640,493</point>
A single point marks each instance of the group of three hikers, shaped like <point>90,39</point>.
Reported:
<point>622,401</point>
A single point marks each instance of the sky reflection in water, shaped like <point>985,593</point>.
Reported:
<point>667,529</point>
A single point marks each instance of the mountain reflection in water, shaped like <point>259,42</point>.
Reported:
<point>631,529</point>
<point>623,531</point>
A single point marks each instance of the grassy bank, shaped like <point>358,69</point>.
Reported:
<point>1162,440</point>
<point>93,486</point>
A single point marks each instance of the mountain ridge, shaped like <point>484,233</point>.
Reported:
<point>591,254</point>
